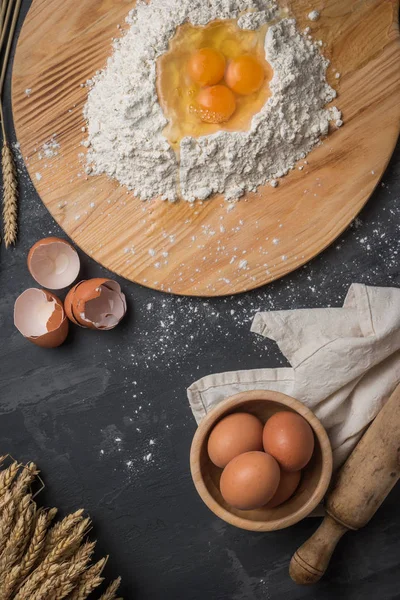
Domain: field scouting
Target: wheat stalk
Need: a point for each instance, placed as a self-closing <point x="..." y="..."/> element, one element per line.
<point x="10" y="194"/>
<point x="110" y="593"/>
<point x="10" y="190"/>
<point x="38" y="563"/>
<point x="89" y="581"/>
<point x="8" y="38"/>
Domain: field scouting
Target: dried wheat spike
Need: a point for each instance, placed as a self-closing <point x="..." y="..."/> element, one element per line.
<point x="51" y="513"/>
<point x="66" y="581"/>
<point x="35" y="580"/>
<point x="7" y="477"/>
<point x="10" y="196"/>
<point x="61" y="529"/>
<point x="6" y="523"/>
<point x="23" y="504"/>
<point x="35" y="547"/>
<point x="89" y="581"/>
<point x="79" y="532"/>
<point x="44" y="591"/>
<point x="25" y="479"/>
<point x="61" y="550"/>
<point x="110" y="593"/>
<point x="16" y="542"/>
<point x="9" y="584"/>
<point x="5" y="500"/>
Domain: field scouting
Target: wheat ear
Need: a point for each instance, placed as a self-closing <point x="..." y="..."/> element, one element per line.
<point x="25" y="479"/>
<point x="110" y="593"/>
<point x="79" y="532"/>
<point x="64" y="548"/>
<point x="34" y="580"/>
<point x="36" y="545"/>
<point x="10" y="195"/>
<point x="6" y="523"/>
<point x="61" y="529"/>
<point x="66" y="582"/>
<point x="5" y="500"/>
<point x="44" y="591"/>
<point x="89" y="581"/>
<point x="16" y="542"/>
<point x="7" y="477"/>
<point x="9" y="583"/>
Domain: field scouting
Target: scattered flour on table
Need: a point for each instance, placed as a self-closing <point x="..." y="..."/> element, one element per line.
<point x="49" y="149"/>
<point x="314" y="15"/>
<point x="125" y="120"/>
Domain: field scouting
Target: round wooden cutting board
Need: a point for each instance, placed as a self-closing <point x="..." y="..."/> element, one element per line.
<point x="212" y="248"/>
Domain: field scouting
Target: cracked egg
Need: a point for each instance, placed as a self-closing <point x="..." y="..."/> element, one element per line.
<point x="212" y="78"/>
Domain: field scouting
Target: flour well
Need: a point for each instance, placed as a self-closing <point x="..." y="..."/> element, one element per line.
<point x="126" y="122"/>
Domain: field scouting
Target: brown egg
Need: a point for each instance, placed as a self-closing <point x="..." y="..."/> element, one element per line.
<point x="289" y="438"/>
<point x="250" y="480"/>
<point x="287" y="486"/>
<point x="233" y="435"/>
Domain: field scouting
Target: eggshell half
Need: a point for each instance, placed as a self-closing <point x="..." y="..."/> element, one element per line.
<point x="53" y="263"/>
<point x="97" y="303"/>
<point x="39" y="315"/>
<point x="68" y="302"/>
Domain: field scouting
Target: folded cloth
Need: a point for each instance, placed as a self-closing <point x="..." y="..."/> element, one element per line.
<point x="345" y="363"/>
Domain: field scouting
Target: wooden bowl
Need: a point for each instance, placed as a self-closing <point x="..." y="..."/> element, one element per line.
<point x="315" y="476"/>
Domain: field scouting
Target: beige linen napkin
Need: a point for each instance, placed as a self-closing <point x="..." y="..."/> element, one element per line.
<point x="345" y="363"/>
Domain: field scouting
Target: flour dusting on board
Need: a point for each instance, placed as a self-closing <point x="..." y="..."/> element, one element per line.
<point x="126" y="122"/>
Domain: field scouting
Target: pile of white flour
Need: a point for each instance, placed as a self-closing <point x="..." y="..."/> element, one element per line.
<point x="125" y="119"/>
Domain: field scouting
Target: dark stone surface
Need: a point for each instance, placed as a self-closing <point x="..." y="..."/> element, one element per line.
<point x="66" y="409"/>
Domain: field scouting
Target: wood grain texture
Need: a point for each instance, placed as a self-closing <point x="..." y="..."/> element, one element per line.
<point x="362" y="484"/>
<point x="63" y="44"/>
<point x="315" y="476"/>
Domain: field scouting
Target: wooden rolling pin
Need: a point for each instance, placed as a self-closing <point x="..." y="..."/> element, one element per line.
<point x="364" y="481"/>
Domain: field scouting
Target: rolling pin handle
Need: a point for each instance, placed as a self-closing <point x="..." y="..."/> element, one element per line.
<point x="311" y="560"/>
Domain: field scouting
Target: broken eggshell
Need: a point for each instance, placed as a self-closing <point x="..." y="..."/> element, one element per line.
<point x="68" y="304"/>
<point x="96" y="304"/>
<point x="53" y="263"/>
<point x="39" y="315"/>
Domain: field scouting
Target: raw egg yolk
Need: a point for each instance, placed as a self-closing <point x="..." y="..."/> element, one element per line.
<point x="245" y="75"/>
<point x="217" y="104"/>
<point x="206" y="66"/>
